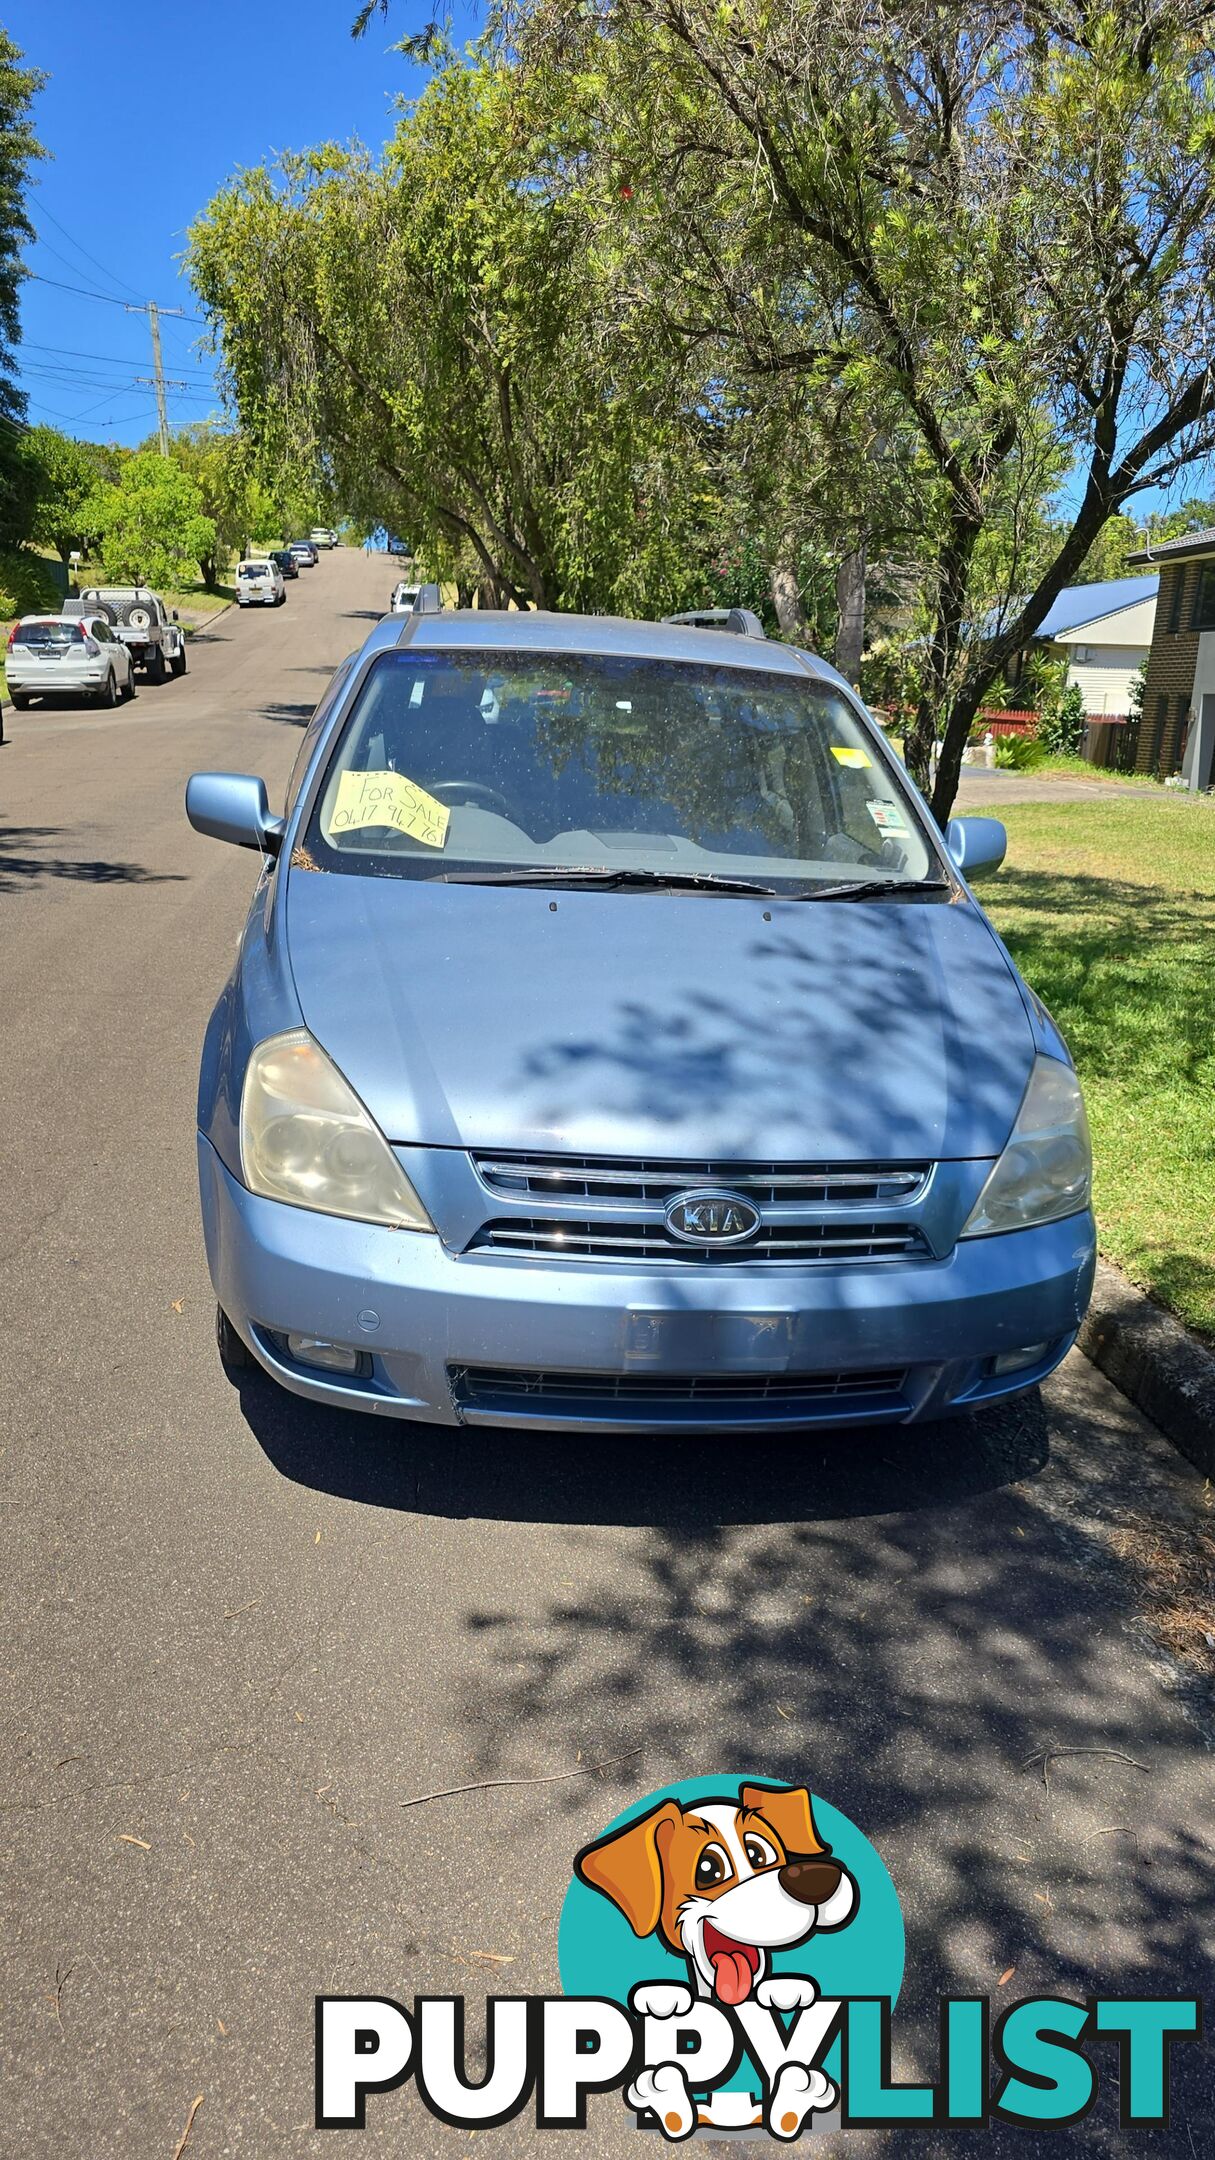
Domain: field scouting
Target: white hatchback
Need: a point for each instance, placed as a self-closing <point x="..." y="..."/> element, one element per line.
<point x="259" y="584"/>
<point x="47" y="657"/>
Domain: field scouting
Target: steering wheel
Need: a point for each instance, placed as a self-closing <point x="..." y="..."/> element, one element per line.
<point x="471" y="790"/>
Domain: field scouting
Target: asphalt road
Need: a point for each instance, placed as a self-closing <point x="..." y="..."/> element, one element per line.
<point x="238" y="1633"/>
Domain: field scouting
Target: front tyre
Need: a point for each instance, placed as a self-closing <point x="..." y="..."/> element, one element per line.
<point x="234" y="1356"/>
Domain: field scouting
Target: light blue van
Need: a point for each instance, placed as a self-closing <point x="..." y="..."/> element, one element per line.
<point x="615" y="1044"/>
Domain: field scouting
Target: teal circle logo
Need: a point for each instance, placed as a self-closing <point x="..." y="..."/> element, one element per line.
<point x="724" y="1886"/>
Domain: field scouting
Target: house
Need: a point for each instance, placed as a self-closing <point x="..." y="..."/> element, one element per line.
<point x="1178" y="728"/>
<point x="1104" y="632"/>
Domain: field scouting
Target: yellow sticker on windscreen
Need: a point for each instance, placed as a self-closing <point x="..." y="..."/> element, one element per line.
<point x="388" y="798"/>
<point x="855" y="758"/>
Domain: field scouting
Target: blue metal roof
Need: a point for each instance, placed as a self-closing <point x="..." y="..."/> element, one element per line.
<point x="1079" y="604"/>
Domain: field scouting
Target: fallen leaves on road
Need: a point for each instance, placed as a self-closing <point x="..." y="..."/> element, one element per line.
<point x="125" y="1838"/>
<point x="183" y="2139"/>
<point x="178" y="1304"/>
<point x="1174" y="1565"/>
<point x="492" y="1957"/>
<point x="1005" y="1977"/>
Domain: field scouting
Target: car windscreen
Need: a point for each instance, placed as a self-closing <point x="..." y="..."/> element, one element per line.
<point x="254" y="570"/>
<point x="48" y="633"/>
<point x="453" y="762"/>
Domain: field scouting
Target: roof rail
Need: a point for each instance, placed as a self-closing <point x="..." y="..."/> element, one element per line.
<point x="738" y="619"/>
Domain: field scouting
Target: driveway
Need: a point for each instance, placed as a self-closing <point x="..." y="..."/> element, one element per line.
<point x="240" y="1632"/>
<point x="978" y="786"/>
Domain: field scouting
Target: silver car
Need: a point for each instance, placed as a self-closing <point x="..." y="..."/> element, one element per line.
<point x="48" y="657"/>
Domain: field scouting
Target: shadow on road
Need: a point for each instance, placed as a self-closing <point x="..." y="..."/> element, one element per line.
<point x="286" y="715"/>
<point x="18" y="869"/>
<point x="691" y="1482"/>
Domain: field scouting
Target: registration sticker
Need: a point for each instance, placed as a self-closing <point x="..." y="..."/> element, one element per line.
<point x="856" y="760"/>
<point x="388" y="798"/>
<point x="887" y="816"/>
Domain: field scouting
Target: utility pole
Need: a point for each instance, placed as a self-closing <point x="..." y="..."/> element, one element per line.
<point x="157" y="378"/>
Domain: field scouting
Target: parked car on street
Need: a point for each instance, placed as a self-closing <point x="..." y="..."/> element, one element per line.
<point x="286" y="562"/>
<point x="48" y="657"/>
<point x="150" y="631"/>
<point x="404" y="598"/>
<point x="304" y="552"/>
<point x="259" y="583"/>
<point x="323" y="536"/>
<point x="616" y="1043"/>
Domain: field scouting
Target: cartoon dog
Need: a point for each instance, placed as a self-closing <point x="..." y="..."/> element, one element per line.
<point x="723" y="1883"/>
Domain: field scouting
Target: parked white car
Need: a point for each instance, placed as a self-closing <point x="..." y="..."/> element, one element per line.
<point x="404" y="598"/>
<point x="323" y="536"/>
<point x="259" y="584"/>
<point x="48" y="657"/>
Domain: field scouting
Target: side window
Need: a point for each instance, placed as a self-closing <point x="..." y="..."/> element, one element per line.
<point x="313" y="729"/>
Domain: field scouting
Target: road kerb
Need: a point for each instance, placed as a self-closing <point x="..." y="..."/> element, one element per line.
<point x="1166" y="1371"/>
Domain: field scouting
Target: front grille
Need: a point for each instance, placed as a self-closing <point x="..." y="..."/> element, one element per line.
<point x="599" y="1238"/>
<point x="574" y="1177"/>
<point x="487" y="1388"/>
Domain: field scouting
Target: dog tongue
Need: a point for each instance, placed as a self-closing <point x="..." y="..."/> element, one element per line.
<point x="731" y="1976"/>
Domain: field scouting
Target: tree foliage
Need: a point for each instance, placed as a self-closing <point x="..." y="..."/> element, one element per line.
<point x="994" y="221"/>
<point x="19" y="149"/>
<point x="151" y="527"/>
<point x="68" y="474"/>
<point x="437" y="340"/>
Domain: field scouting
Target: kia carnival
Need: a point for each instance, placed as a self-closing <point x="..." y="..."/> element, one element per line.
<point x="615" y="1043"/>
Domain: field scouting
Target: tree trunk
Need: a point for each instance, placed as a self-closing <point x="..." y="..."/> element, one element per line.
<point x="786" y="598"/>
<point x="850" y="625"/>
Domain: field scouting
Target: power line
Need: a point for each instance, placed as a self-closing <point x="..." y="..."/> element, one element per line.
<point x="74" y="352"/>
<point x="109" y="299"/>
<point x="80" y="250"/>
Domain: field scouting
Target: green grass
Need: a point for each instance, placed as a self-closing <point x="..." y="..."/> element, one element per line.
<point x="1109" y="910"/>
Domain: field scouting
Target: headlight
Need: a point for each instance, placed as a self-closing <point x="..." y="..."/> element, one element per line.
<point x="1045" y="1171"/>
<point x="305" y="1138"/>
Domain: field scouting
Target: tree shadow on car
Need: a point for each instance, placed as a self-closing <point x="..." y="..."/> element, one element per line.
<point x="692" y="1480"/>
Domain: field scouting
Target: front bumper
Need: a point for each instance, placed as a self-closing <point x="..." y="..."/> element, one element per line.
<point x="495" y="1339"/>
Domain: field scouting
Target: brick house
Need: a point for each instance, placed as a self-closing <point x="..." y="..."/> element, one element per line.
<point x="1178" y="730"/>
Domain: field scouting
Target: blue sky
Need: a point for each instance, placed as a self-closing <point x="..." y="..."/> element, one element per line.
<point x="128" y="170"/>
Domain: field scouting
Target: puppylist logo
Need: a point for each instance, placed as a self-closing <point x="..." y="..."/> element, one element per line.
<point x="731" y="1952"/>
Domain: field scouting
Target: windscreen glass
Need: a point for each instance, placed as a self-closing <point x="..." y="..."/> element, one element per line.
<point x="455" y="761"/>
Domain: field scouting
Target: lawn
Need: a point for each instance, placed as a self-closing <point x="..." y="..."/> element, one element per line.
<point x="1109" y="910"/>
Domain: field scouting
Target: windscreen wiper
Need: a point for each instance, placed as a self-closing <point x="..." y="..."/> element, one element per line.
<point x="874" y="889"/>
<point x="608" y="880"/>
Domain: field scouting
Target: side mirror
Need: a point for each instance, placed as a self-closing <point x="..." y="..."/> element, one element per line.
<point x="977" y="845"/>
<point x="233" y="807"/>
<point x="176" y="616"/>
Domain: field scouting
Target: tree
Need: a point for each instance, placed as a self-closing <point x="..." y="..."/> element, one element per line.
<point x="438" y="340"/>
<point x="998" y="219"/>
<point x="151" y="527"/>
<point x="19" y="149"/>
<point x="68" y="476"/>
<point x="217" y="462"/>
